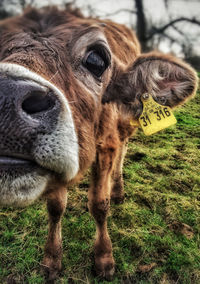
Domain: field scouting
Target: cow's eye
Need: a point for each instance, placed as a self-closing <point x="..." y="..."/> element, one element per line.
<point x="96" y="61"/>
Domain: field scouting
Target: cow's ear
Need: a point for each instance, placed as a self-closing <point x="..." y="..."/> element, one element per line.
<point x="168" y="79"/>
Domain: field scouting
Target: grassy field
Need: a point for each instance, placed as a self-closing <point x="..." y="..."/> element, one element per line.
<point x="155" y="233"/>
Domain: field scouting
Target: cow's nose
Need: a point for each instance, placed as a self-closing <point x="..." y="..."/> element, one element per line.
<point x="36" y="101"/>
<point x="27" y="111"/>
<point x="25" y="96"/>
<point x="26" y="106"/>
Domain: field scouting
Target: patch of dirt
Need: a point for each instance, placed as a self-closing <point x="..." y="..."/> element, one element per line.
<point x="158" y="169"/>
<point x="147" y="267"/>
<point x="181" y="228"/>
<point x="136" y="157"/>
<point x="181" y="186"/>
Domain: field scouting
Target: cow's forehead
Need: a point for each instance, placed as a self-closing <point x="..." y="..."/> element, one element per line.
<point x="66" y="27"/>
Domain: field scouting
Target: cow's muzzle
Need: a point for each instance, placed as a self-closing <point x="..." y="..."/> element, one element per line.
<point x="27" y="110"/>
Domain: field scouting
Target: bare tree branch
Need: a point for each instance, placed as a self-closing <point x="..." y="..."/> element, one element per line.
<point x="166" y="2"/>
<point x="161" y="30"/>
<point x="120" y="11"/>
<point x="179" y="31"/>
<point x="172" y="40"/>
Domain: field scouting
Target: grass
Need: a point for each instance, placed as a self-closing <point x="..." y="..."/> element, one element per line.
<point x="162" y="184"/>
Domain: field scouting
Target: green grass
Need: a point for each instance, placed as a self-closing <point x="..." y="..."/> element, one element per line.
<point x="162" y="181"/>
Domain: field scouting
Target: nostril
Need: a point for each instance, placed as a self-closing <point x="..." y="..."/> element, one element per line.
<point x="37" y="101"/>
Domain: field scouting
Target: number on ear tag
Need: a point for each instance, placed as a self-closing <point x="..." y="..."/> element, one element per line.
<point x="155" y="117"/>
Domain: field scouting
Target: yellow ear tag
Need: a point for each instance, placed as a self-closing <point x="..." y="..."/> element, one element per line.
<point x="155" y="117"/>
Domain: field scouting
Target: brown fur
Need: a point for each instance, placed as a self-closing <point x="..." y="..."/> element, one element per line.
<point x="44" y="41"/>
<point x="56" y="203"/>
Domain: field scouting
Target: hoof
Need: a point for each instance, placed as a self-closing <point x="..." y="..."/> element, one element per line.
<point x="117" y="199"/>
<point x="51" y="268"/>
<point x="105" y="267"/>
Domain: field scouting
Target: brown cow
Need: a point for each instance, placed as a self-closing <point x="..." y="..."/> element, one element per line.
<point x="69" y="87"/>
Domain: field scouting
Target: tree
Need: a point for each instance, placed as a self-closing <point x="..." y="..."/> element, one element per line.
<point x="147" y="32"/>
<point x="151" y="34"/>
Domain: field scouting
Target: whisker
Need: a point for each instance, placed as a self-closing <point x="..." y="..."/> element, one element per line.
<point x="53" y="76"/>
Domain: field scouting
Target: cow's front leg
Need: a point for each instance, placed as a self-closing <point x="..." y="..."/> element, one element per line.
<point x="56" y="204"/>
<point x="99" y="203"/>
<point x="117" y="192"/>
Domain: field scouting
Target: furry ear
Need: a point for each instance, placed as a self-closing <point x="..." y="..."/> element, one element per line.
<point x="168" y="79"/>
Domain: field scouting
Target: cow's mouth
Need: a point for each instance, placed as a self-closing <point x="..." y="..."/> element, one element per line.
<point x="12" y="162"/>
<point x="22" y="180"/>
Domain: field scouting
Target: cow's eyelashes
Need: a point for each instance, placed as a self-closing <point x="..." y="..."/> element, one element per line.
<point x="96" y="61"/>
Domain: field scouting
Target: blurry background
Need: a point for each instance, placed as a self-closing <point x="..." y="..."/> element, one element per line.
<point x="166" y="25"/>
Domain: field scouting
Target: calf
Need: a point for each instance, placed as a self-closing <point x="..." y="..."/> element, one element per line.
<point x="70" y="97"/>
